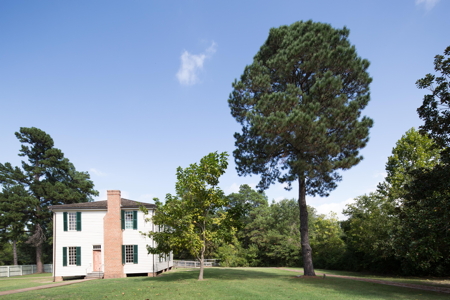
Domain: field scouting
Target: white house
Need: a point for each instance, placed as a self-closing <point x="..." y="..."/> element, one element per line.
<point x="103" y="239"/>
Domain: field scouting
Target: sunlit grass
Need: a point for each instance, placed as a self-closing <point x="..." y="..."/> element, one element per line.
<point x="228" y="283"/>
<point x="434" y="281"/>
<point x="25" y="281"/>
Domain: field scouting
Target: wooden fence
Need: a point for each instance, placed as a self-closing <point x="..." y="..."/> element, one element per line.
<point x="195" y="263"/>
<point x="8" y="271"/>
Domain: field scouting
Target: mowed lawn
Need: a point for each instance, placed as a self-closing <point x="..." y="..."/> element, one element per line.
<point x="228" y="283"/>
<point x="25" y="281"/>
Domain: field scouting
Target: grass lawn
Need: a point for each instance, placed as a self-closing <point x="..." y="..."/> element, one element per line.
<point x="222" y="283"/>
<point x="25" y="281"/>
<point x="433" y="281"/>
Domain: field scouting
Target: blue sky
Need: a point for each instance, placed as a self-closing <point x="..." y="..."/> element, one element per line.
<point x="130" y="90"/>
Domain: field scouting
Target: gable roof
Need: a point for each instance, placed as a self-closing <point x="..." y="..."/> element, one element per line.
<point x="102" y="205"/>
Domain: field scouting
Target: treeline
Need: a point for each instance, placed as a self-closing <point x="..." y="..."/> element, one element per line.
<point x="402" y="228"/>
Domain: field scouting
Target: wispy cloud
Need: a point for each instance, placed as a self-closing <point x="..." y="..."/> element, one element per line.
<point x="97" y="172"/>
<point x="192" y="64"/>
<point x="429" y="4"/>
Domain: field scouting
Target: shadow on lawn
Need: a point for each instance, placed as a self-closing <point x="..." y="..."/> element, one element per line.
<point x="217" y="274"/>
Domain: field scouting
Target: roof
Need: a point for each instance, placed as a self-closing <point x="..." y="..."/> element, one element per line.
<point x="125" y="203"/>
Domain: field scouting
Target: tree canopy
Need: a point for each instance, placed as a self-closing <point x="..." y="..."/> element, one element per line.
<point x="299" y="104"/>
<point x="194" y="217"/>
<point x="47" y="178"/>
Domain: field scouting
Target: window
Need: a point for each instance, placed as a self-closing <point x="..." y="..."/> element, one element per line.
<point x="71" y="256"/>
<point x="129" y="254"/>
<point x="72" y="221"/>
<point x="97" y="247"/>
<point x="129" y="219"/>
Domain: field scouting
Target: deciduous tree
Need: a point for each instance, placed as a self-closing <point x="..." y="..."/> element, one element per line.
<point x="195" y="215"/>
<point x="299" y="104"/>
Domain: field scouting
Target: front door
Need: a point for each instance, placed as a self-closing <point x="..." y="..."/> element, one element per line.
<point x="97" y="261"/>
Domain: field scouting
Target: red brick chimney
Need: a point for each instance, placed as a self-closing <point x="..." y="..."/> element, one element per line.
<point x="112" y="231"/>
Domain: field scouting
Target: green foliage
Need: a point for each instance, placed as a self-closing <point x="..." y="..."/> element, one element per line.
<point x="327" y="244"/>
<point x="423" y="240"/>
<point x="413" y="151"/>
<point x="369" y="234"/>
<point x="6" y="253"/>
<point x="299" y="104"/>
<point x="194" y="217"/>
<point x="435" y="108"/>
<point x="48" y="178"/>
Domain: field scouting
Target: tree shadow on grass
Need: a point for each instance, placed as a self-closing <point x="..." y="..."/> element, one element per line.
<point x="365" y="290"/>
<point x="218" y="274"/>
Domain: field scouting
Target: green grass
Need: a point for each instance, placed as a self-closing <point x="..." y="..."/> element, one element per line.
<point x="433" y="281"/>
<point x="25" y="281"/>
<point x="239" y="283"/>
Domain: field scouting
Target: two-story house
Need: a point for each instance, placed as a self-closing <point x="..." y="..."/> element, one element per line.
<point x="103" y="239"/>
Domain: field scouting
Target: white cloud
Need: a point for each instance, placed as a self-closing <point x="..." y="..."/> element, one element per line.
<point x="429" y="4"/>
<point x="192" y="64"/>
<point x="97" y="172"/>
<point x="334" y="207"/>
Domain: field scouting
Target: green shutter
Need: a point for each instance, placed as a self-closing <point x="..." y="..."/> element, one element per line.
<point x="64" y="256"/>
<point x="135" y="254"/>
<point x="78" y="221"/>
<point x="134" y="219"/>
<point x="122" y="218"/>
<point x="78" y="256"/>
<point x="65" y="221"/>
<point x="123" y="254"/>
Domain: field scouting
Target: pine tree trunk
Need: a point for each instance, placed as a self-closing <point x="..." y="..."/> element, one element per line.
<point x="39" y="265"/>
<point x="308" y="267"/>
<point x="16" y="263"/>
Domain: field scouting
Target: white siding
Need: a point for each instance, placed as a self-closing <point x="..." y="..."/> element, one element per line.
<point x="134" y="237"/>
<point x="91" y="234"/>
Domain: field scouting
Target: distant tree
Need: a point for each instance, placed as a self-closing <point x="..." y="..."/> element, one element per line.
<point x="424" y="239"/>
<point x="435" y="108"/>
<point x="48" y="179"/>
<point x="300" y="105"/>
<point x="240" y="205"/>
<point x="14" y="213"/>
<point x="194" y="217"/>
<point x="328" y="246"/>
<point x="369" y="233"/>
<point x="411" y="152"/>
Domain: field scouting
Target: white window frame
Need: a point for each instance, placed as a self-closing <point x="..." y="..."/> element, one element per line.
<point x="129" y="254"/>
<point x="71" y="256"/>
<point x="72" y="221"/>
<point x="128" y="219"/>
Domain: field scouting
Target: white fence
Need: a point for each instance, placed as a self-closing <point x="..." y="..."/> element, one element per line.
<point x="8" y="271"/>
<point x="195" y="263"/>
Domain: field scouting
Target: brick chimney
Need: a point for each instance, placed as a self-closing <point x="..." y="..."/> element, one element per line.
<point x="113" y="241"/>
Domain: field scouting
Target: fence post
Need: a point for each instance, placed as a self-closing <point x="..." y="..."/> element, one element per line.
<point x="8" y="272"/>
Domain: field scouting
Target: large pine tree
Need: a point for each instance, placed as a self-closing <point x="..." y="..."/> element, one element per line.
<point x="299" y="104"/>
<point x="48" y="178"/>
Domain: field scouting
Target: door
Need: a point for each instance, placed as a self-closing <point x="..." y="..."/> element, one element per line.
<point x="97" y="261"/>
